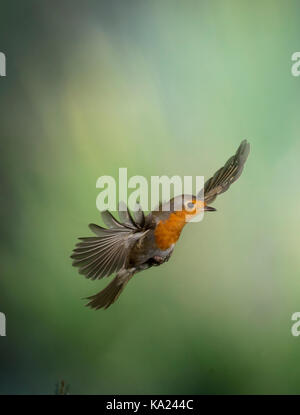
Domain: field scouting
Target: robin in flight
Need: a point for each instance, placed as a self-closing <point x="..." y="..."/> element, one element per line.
<point x="137" y="242"/>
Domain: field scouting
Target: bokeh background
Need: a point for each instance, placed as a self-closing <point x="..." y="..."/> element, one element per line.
<point x="159" y="87"/>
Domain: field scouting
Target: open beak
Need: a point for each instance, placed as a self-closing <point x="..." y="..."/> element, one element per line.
<point x="201" y="206"/>
<point x="209" y="209"/>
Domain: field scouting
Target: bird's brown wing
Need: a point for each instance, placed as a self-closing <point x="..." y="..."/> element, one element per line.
<point x="226" y="175"/>
<point x="101" y="255"/>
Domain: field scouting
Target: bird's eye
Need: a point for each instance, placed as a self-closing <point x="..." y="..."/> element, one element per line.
<point x="190" y="205"/>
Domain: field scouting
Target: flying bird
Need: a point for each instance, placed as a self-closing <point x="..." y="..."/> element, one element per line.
<point x="137" y="241"/>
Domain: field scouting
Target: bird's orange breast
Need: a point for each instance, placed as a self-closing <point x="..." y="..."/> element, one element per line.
<point x="168" y="231"/>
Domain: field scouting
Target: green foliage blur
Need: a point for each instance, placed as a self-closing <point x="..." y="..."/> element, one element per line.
<point x="159" y="87"/>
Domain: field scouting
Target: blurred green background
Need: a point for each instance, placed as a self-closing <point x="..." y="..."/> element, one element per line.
<point x="159" y="87"/>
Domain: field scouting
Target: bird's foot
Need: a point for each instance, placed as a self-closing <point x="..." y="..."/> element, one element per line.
<point x="159" y="259"/>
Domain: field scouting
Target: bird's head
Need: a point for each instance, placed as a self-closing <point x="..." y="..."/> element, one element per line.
<point x="186" y="206"/>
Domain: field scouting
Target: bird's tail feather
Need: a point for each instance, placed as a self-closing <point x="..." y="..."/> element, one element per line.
<point x="111" y="293"/>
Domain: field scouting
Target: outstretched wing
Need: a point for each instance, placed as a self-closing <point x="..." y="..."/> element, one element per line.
<point x="226" y="175"/>
<point x="101" y="255"/>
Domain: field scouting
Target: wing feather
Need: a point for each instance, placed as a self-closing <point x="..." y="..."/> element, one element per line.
<point x="102" y="255"/>
<point x="139" y="216"/>
<point x="125" y="216"/>
<point x="226" y="175"/>
<point x="110" y="221"/>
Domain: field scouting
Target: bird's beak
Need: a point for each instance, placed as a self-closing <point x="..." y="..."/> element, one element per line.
<point x="201" y="206"/>
<point x="209" y="209"/>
